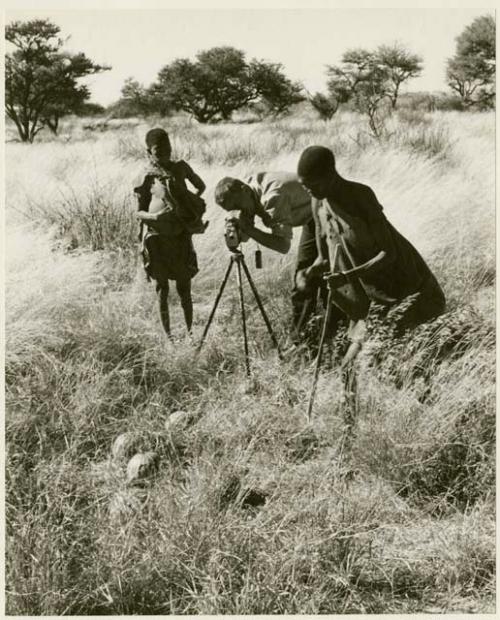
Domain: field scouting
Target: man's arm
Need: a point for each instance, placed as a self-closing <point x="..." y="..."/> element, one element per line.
<point x="274" y="211"/>
<point x="272" y="241"/>
<point x="379" y="228"/>
<point x="320" y="264"/>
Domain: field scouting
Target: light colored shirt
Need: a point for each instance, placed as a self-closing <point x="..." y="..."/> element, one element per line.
<point x="283" y="198"/>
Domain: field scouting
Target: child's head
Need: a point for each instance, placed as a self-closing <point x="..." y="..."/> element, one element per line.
<point x="158" y="144"/>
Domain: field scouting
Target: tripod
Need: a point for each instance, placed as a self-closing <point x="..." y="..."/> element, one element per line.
<point x="237" y="257"/>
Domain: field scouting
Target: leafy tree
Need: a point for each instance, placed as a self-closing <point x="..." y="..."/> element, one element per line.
<point x="157" y="102"/>
<point x="211" y="87"/>
<point x="363" y="80"/>
<point x="41" y="80"/>
<point x="270" y="84"/>
<point x="137" y="100"/>
<point x="220" y="81"/>
<point x="135" y="97"/>
<point x="370" y="96"/>
<point x="357" y="66"/>
<point x="371" y="79"/>
<point x="471" y="72"/>
<point x="401" y="65"/>
<point x="324" y="105"/>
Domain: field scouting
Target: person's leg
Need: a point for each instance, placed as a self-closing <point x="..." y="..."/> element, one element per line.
<point x="162" y="292"/>
<point x="304" y="302"/>
<point x="424" y="306"/>
<point x="184" y="291"/>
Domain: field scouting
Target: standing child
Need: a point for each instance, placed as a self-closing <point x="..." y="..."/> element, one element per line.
<point x="169" y="214"/>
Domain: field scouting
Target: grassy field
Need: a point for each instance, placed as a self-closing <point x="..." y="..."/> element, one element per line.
<point x="250" y="510"/>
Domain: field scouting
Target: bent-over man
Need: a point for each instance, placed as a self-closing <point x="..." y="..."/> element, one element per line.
<point x="280" y="202"/>
<point x="356" y="221"/>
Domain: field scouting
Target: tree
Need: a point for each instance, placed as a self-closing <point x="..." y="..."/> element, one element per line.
<point x="401" y="65"/>
<point x="371" y="79"/>
<point x="357" y="66"/>
<point x="270" y="84"/>
<point x="220" y="81"/>
<point x="138" y="100"/>
<point x="41" y="80"/>
<point x="471" y="72"/>
<point x="370" y="95"/>
<point x="209" y="88"/>
<point x="135" y="97"/>
<point x="365" y="81"/>
<point x="325" y="106"/>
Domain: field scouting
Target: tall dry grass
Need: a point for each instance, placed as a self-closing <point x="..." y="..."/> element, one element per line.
<point x="251" y="510"/>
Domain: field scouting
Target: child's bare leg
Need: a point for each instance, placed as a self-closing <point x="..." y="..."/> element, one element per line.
<point x="184" y="290"/>
<point x="162" y="292"/>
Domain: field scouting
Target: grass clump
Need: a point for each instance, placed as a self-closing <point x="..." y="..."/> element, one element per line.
<point x="100" y="218"/>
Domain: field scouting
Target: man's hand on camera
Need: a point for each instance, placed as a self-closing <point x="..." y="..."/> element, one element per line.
<point x="245" y="226"/>
<point x="245" y="223"/>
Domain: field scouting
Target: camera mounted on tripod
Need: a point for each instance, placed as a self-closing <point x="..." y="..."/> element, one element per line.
<point x="233" y="237"/>
<point x="232" y="233"/>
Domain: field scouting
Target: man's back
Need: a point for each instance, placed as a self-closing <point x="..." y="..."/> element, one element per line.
<point x="363" y="231"/>
<point x="282" y="196"/>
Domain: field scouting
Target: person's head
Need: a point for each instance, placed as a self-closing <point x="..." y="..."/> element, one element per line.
<point x="316" y="170"/>
<point x="158" y="144"/>
<point x="233" y="195"/>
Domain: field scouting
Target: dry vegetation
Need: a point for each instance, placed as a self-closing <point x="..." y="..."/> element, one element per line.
<point x="404" y="523"/>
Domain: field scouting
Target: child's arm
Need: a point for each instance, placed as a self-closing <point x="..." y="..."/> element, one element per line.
<point x="143" y="196"/>
<point x="159" y="221"/>
<point x="194" y="179"/>
<point x="145" y="216"/>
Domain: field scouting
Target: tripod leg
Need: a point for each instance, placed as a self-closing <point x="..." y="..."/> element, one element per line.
<point x="261" y="308"/>
<point x="219" y="295"/>
<point x="326" y="320"/>
<point x="243" y="318"/>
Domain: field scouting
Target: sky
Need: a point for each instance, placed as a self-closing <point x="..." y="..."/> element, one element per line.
<point x="137" y="43"/>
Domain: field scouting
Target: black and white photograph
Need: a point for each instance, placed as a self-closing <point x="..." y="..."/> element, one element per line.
<point x="249" y="310"/>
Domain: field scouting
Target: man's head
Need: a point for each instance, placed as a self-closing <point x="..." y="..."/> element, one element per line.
<point x="233" y="195"/>
<point x="316" y="170"/>
<point x="158" y="144"/>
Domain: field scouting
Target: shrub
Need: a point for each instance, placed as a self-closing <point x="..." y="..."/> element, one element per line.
<point x="98" y="218"/>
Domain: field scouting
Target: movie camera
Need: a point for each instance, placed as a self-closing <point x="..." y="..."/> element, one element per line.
<point x="232" y="234"/>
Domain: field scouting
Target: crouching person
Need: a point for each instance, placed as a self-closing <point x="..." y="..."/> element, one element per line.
<point x="350" y="219"/>
<point x="169" y="213"/>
